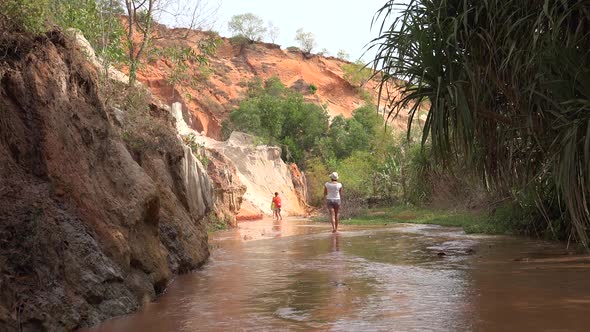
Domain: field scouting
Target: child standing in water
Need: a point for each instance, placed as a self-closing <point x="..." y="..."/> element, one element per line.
<point x="276" y="203"/>
<point x="333" y="194"/>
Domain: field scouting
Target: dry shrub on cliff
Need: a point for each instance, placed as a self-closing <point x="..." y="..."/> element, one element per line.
<point x="144" y="127"/>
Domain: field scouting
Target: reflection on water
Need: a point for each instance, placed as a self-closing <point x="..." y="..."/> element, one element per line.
<point x="300" y="276"/>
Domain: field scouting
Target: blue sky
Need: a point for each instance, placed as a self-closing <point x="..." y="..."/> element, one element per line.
<point x="336" y="24"/>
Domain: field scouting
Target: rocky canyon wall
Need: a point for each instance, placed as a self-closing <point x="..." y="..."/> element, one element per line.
<point x="91" y="225"/>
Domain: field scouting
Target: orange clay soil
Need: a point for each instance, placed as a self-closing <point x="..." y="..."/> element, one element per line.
<point x="211" y="100"/>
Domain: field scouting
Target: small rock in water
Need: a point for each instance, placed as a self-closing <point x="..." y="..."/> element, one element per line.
<point x="470" y="251"/>
<point x="440" y="254"/>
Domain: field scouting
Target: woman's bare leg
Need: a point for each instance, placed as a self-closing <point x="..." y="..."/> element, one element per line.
<point x="336" y="218"/>
<point x="332" y="219"/>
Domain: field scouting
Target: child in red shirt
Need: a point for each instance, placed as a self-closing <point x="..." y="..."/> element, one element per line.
<point x="277" y="207"/>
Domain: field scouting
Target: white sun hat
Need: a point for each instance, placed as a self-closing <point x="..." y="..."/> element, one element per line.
<point x="334" y="176"/>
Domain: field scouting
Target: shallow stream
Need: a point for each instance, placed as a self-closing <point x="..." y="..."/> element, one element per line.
<point x="296" y="275"/>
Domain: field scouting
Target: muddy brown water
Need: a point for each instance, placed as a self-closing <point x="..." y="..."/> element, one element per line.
<point x="297" y="276"/>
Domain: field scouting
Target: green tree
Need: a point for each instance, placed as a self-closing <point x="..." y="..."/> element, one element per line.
<point x="306" y="40"/>
<point x="273" y="32"/>
<point x="140" y="17"/>
<point x="280" y="117"/>
<point x="338" y="135"/>
<point x="247" y="25"/>
<point x="358" y="139"/>
<point x="369" y="119"/>
<point x="342" y="55"/>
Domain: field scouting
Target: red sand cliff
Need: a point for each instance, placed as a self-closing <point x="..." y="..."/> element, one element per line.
<point x="232" y="66"/>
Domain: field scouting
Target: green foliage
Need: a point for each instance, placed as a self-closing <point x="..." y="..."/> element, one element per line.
<point x="306" y="40"/>
<point x="215" y="223"/>
<point x="198" y="149"/>
<point x="361" y="149"/>
<point x="357" y="172"/>
<point x="342" y="55"/>
<point x="24" y="15"/>
<point x="369" y="119"/>
<point x="280" y="117"/>
<point x="348" y="135"/>
<point x="181" y="58"/>
<point x="366" y="96"/>
<point x="470" y="222"/>
<point x="312" y="88"/>
<point x="357" y="74"/>
<point x="184" y="58"/>
<point x="371" y="162"/>
<point x="272" y="86"/>
<point x="418" y="172"/>
<point x="247" y="25"/>
<point x="97" y="20"/>
<point x="293" y="49"/>
<point x="509" y="93"/>
<point x="239" y="40"/>
<point x="315" y="173"/>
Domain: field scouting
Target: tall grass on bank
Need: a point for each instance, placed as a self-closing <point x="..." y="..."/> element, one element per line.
<point x="508" y="83"/>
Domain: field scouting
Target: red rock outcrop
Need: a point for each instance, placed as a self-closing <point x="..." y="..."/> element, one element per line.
<point x="212" y="99"/>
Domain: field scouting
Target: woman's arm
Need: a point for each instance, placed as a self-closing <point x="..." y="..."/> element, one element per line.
<point x="325" y="191"/>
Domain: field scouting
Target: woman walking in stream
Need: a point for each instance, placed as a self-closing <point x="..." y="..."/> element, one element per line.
<point x="333" y="194"/>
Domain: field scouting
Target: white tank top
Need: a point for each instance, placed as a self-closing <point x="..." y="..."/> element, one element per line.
<point x="333" y="189"/>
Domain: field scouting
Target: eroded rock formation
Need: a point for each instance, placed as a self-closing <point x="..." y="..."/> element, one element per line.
<point x="87" y="229"/>
<point x="247" y="175"/>
<point x="263" y="172"/>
